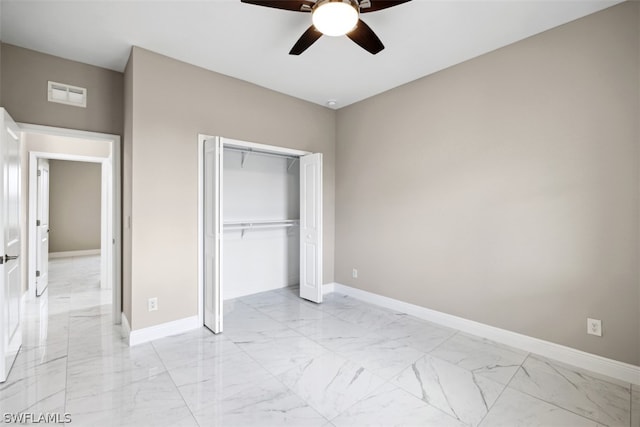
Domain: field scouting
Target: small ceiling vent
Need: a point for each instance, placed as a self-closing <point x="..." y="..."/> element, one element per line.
<point x="67" y="94"/>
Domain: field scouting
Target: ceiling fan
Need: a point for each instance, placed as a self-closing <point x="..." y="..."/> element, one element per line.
<point x="334" y="18"/>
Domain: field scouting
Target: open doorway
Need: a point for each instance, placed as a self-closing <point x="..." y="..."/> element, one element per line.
<point x="44" y="146"/>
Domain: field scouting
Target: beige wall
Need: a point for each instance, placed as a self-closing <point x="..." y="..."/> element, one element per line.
<point x="74" y="205"/>
<point x="505" y="189"/>
<point x="172" y="102"/>
<point x="24" y="78"/>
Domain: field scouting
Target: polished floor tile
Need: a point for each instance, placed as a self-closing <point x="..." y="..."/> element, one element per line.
<point x="575" y="390"/>
<point x="286" y="361"/>
<point x="152" y="401"/>
<point x="483" y="357"/>
<point x="391" y="406"/>
<point x="331" y="383"/>
<point x="456" y="391"/>
<point x="518" y="409"/>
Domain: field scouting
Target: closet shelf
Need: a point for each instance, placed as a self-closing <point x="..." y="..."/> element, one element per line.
<point x="258" y="224"/>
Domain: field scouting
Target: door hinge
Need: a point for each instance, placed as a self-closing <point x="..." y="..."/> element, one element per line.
<point x="37" y="223"/>
<point x="39" y="172"/>
<point x="37" y="273"/>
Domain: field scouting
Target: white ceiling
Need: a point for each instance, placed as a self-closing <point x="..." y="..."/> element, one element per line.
<point x="252" y="43"/>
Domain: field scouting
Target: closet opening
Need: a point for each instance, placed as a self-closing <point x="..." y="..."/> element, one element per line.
<point x="260" y="223"/>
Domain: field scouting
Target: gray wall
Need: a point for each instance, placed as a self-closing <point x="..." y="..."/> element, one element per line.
<point x="171" y="103"/>
<point x="24" y="78"/>
<point x="505" y="189"/>
<point x="74" y="205"/>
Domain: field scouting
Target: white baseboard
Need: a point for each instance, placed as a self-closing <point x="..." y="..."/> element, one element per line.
<point x="327" y="288"/>
<point x="124" y="327"/>
<point x="592" y="362"/>
<point x="70" y="254"/>
<point x="139" y="336"/>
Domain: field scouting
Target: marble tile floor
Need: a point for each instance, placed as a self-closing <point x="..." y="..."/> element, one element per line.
<point x="286" y="361"/>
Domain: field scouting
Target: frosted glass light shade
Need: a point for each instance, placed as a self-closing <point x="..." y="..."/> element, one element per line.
<point x="335" y="18"/>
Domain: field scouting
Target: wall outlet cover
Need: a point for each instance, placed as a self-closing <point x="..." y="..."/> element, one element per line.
<point x="594" y="327"/>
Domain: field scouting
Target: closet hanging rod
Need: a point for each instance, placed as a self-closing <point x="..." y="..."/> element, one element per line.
<point x="276" y="222"/>
<point x="257" y="226"/>
<point x="243" y="226"/>
<point x="262" y="153"/>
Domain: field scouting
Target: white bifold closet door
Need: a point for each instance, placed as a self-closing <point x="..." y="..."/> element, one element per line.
<point x="311" y="227"/>
<point x="213" y="234"/>
<point x="310" y="230"/>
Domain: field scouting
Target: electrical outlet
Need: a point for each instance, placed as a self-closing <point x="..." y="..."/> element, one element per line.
<point x="594" y="327"/>
<point x="153" y="304"/>
<point x="354" y="273"/>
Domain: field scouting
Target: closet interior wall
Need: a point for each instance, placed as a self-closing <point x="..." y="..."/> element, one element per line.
<point x="260" y="209"/>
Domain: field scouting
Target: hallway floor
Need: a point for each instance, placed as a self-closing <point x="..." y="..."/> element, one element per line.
<point x="285" y="361"/>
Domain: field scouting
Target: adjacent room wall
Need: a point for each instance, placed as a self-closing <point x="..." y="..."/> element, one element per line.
<point x="74" y="205"/>
<point x="24" y="78"/>
<point x="171" y="103"/>
<point x="505" y="189"/>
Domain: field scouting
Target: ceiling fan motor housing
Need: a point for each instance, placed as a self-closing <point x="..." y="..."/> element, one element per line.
<point x="351" y="26"/>
<point x="335" y="17"/>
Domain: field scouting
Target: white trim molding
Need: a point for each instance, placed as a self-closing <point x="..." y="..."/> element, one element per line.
<point x="592" y="362"/>
<point x="71" y="254"/>
<point x="140" y="336"/>
<point x="327" y="288"/>
<point x="125" y="328"/>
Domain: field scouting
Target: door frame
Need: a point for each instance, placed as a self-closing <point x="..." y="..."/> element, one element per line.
<point x="229" y="142"/>
<point x="111" y="212"/>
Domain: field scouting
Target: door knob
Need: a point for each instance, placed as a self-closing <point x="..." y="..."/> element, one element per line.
<point x="7" y="258"/>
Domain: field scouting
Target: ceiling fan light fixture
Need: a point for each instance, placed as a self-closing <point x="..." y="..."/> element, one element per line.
<point x="335" y="17"/>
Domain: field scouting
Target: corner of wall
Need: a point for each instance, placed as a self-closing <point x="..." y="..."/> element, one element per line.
<point x="127" y="185"/>
<point x="637" y="5"/>
<point x="1" y="73"/>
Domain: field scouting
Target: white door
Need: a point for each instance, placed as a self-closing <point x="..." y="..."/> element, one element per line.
<point x="311" y="227"/>
<point x="10" y="277"/>
<point x="212" y="234"/>
<point x="42" y="227"/>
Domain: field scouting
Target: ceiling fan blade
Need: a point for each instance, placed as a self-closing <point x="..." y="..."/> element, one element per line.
<point x="364" y="37"/>
<point x="307" y="39"/>
<point x="375" y="5"/>
<point x="295" y="5"/>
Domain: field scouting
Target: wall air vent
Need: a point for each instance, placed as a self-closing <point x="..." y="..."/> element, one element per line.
<point x="67" y="94"/>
